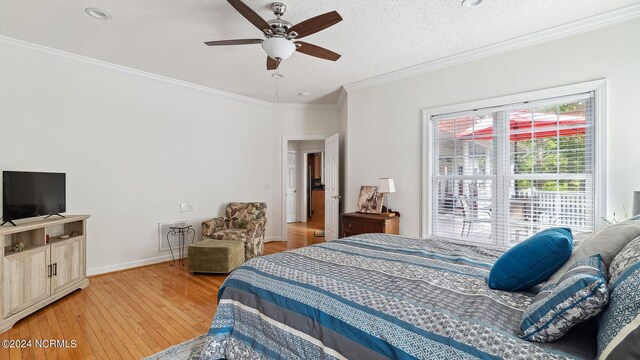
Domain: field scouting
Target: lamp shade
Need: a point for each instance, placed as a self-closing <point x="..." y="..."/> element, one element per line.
<point x="386" y="185"/>
<point x="636" y="203"/>
<point x="278" y="48"/>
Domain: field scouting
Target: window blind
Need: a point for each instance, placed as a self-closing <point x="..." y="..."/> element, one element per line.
<point x="504" y="173"/>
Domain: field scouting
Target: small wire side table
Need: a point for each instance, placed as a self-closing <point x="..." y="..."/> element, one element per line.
<point x="181" y="232"/>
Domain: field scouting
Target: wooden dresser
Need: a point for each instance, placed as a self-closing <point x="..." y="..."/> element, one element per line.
<point x="360" y="223"/>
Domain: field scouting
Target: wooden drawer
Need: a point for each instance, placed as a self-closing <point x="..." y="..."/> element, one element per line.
<point x="360" y="226"/>
<point x="357" y="223"/>
<point x="347" y="233"/>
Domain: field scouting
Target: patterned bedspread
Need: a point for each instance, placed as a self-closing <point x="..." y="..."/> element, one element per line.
<point x="372" y="297"/>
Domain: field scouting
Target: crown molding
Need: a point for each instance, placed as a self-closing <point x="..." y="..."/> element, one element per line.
<point x="303" y="106"/>
<point x="104" y="66"/>
<point x="577" y="27"/>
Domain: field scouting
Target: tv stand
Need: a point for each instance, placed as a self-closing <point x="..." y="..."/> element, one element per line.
<point x="47" y="267"/>
<point x="8" y="222"/>
<point x="50" y="215"/>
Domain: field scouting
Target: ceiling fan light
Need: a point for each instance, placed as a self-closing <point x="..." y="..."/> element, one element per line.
<point x="278" y="48"/>
<point x="98" y="13"/>
<point x="471" y="3"/>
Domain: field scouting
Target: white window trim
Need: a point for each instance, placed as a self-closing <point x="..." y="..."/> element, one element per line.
<point x="600" y="112"/>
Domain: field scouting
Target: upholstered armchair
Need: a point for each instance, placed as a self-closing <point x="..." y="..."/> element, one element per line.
<point x="244" y="222"/>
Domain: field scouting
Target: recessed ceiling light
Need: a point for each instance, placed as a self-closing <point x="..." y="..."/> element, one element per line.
<point x="277" y="75"/>
<point x="304" y="93"/>
<point x="471" y="3"/>
<point x="98" y="13"/>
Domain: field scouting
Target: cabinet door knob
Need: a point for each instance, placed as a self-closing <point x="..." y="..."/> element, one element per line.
<point x="55" y="269"/>
<point x="49" y="268"/>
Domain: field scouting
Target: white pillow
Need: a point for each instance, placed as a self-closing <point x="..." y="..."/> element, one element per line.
<point x="607" y="241"/>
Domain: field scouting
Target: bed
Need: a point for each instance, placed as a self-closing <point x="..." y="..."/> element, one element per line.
<point x="377" y="296"/>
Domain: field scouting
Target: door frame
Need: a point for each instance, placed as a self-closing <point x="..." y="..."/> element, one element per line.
<point x="296" y="153"/>
<point x="305" y="184"/>
<point x="283" y="184"/>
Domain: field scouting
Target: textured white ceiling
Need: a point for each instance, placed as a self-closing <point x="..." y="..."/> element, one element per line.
<point x="376" y="37"/>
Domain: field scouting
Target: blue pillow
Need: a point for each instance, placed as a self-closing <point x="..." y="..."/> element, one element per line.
<point x="532" y="261"/>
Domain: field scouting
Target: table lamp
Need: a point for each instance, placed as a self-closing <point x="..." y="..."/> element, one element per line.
<point x="386" y="186"/>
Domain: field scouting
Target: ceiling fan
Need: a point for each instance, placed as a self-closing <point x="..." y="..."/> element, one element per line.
<point x="280" y="34"/>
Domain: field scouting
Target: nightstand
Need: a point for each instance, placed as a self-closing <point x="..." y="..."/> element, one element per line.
<point x="361" y="223"/>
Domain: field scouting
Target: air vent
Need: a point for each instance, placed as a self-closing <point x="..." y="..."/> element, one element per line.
<point x="163" y="230"/>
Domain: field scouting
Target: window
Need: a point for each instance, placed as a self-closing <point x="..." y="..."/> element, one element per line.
<point x="499" y="174"/>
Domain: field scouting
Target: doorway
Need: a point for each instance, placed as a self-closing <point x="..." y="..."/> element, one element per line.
<point x="305" y="197"/>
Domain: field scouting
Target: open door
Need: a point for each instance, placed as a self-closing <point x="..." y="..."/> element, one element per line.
<point x="331" y="188"/>
<point x="292" y="199"/>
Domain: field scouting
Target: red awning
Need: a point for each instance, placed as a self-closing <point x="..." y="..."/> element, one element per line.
<point x="525" y="125"/>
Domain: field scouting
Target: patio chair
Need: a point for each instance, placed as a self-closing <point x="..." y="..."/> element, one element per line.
<point x="469" y="207"/>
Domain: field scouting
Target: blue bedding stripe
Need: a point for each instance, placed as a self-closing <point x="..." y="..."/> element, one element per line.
<point x="551" y="321"/>
<point x="255" y="344"/>
<point x="435" y="307"/>
<point x="409" y="262"/>
<point x="387" y="296"/>
<point x="252" y="342"/>
<point x="325" y="319"/>
<point x="219" y="330"/>
<point x="625" y="275"/>
<point x="330" y="322"/>
<point x="557" y="299"/>
<point x="420" y="252"/>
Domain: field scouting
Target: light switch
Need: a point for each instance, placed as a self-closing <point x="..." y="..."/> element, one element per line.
<point x="183" y="207"/>
<point x="192" y="207"/>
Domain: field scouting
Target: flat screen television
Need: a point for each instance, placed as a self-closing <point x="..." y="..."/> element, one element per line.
<point x="31" y="194"/>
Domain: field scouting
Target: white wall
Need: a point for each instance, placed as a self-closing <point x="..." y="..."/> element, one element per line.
<point x="384" y="122"/>
<point x="306" y="145"/>
<point x="134" y="149"/>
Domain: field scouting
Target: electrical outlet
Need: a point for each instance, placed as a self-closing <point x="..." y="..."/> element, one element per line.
<point x="183" y="207"/>
<point x="267" y="186"/>
<point x="192" y="207"/>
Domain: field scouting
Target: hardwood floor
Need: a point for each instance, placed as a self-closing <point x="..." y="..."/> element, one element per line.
<point x="133" y="313"/>
<point x="304" y="234"/>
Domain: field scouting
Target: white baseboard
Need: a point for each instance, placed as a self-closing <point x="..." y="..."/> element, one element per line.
<point x="149" y="261"/>
<point x="272" y="238"/>
<point x="127" y="265"/>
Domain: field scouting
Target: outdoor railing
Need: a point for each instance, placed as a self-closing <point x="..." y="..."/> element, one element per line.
<point x="561" y="208"/>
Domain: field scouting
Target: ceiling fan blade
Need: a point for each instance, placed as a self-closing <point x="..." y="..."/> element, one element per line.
<point x="316" y="51"/>
<point x="272" y="64"/>
<point x="315" y="24"/>
<point x="234" y="42"/>
<point x="250" y="15"/>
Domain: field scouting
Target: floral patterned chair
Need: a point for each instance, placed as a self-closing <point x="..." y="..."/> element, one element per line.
<point x="243" y="221"/>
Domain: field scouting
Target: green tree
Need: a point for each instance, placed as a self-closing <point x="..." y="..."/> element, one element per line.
<point x="562" y="154"/>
